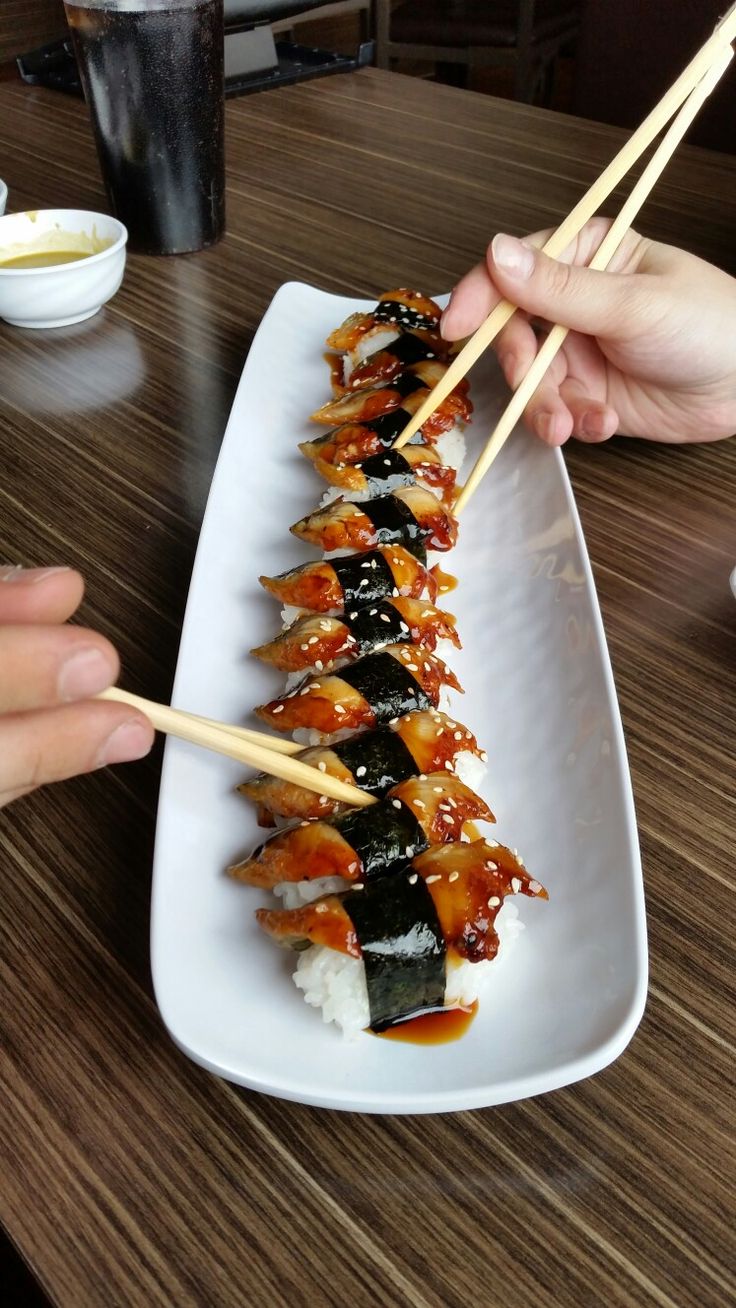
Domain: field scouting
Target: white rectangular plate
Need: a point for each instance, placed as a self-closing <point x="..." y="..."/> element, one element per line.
<point x="540" y="698"/>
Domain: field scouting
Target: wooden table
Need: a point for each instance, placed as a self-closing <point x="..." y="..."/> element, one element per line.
<point x="130" y="1176"/>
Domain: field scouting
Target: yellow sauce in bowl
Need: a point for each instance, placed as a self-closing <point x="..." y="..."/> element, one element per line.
<point x="42" y="258"/>
<point x="51" y="248"/>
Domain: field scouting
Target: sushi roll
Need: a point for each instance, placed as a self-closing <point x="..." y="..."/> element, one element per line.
<point x="318" y="642"/>
<point x="412" y="517"/>
<point x="420" y="742"/>
<point x="366" y="693"/>
<point x="384" y="473"/>
<point x="353" y="441"/>
<point x="361" y="406"/>
<point x="422" y="940"/>
<point x="365" y="843"/>
<point x="333" y="585"/>
<point x="396" y="311"/>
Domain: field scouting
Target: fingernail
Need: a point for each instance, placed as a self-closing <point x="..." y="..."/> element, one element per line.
<point x="29" y="576"/>
<point x="84" y="673"/>
<point x="512" y="256"/>
<point x="130" y="741"/>
<point x="446" y="319"/>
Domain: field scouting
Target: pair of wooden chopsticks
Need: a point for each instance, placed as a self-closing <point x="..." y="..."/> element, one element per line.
<point x="266" y="753"/>
<point x="684" y="98"/>
<point x="687" y="94"/>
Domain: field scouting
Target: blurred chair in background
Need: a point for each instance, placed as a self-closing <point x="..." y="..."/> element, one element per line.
<point x="630" y="51"/>
<point x="457" y="35"/>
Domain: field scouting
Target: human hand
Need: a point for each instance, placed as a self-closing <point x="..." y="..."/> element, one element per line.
<point x="49" y="727"/>
<point x="651" y="350"/>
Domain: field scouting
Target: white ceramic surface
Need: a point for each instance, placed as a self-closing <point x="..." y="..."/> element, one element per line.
<point x="3" y="196"/>
<point x="59" y="295"/>
<point x="540" y="697"/>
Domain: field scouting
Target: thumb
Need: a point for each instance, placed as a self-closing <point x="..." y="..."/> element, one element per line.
<point x="597" y="303"/>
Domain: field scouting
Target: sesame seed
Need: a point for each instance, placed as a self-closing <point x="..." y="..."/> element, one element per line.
<point x="494" y="901"/>
<point x="444" y="808"/>
<point x="364" y="582"/>
<point x="324" y="625"/>
<point x="409" y="851"/>
<point x="426" y="613"/>
<point x="304" y="647"/>
<point x="449" y="766"/>
<point x="305" y="690"/>
<point x="448" y="818"/>
<point x="413" y="667"/>
<point x="392" y="722"/>
<point x="452" y="803"/>
<point x="384" y="617"/>
<point x="372" y="613"/>
<point x="319" y="665"/>
<point x="396" y="803"/>
<point x="313" y="640"/>
<point x="453" y="876"/>
<point x="367" y="564"/>
<point x="322" y="801"/>
<point x="278" y="709"/>
<point x="515" y="885"/>
<point x="352" y="867"/>
<point x="413" y="879"/>
<point x="403" y="627"/>
<point x="322" y="767"/>
<point x="535" y="887"/>
<point x="339" y="709"/>
<point x="361" y="771"/>
<point x="457" y="735"/>
<point x="491" y="866"/>
<point x="422" y="776"/>
<point x="395" y="592"/>
<point x="482" y="756"/>
<point x="438" y="790"/>
<point x="357" y="885"/>
<point x="419" y="803"/>
<point x="353" y="615"/>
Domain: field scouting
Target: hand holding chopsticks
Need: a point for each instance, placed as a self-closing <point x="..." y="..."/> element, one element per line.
<point x="600" y="260"/>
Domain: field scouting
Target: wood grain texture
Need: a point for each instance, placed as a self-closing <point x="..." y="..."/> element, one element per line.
<point x="130" y="1177"/>
<point x="27" y="24"/>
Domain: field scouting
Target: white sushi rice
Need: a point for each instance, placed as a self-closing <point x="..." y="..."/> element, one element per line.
<point x="451" y="447"/>
<point x="294" y="894"/>
<point x="369" y="343"/>
<point x="470" y="770"/>
<point x="335" y="983"/>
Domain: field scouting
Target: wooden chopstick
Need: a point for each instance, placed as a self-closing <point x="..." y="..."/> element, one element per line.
<point x="724" y="33"/>
<point x="243" y="745"/>
<point x="600" y="260"/>
<point x="240" y="733"/>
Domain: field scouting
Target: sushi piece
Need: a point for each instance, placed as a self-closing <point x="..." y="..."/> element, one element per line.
<point x="374" y="689"/>
<point x="361" y="406"/>
<point x="332" y="585"/>
<point x="422" y="940"/>
<point x="396" y="311"/>
<point x="389" y="471"/>
<point x="353" y="441"/>
<point x="420" y="742"/>
<point x="371" y="842"/>
<point x="386" y="360"/>
<point x="411" y="517"/>
<point x="317" y="642"/>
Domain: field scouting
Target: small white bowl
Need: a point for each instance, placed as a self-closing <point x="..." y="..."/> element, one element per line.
<point x="64" y="293"/>
<point x="3" y="196"/>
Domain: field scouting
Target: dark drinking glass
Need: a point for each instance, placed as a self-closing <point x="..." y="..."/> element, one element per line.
<point x="153" y="78"/>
